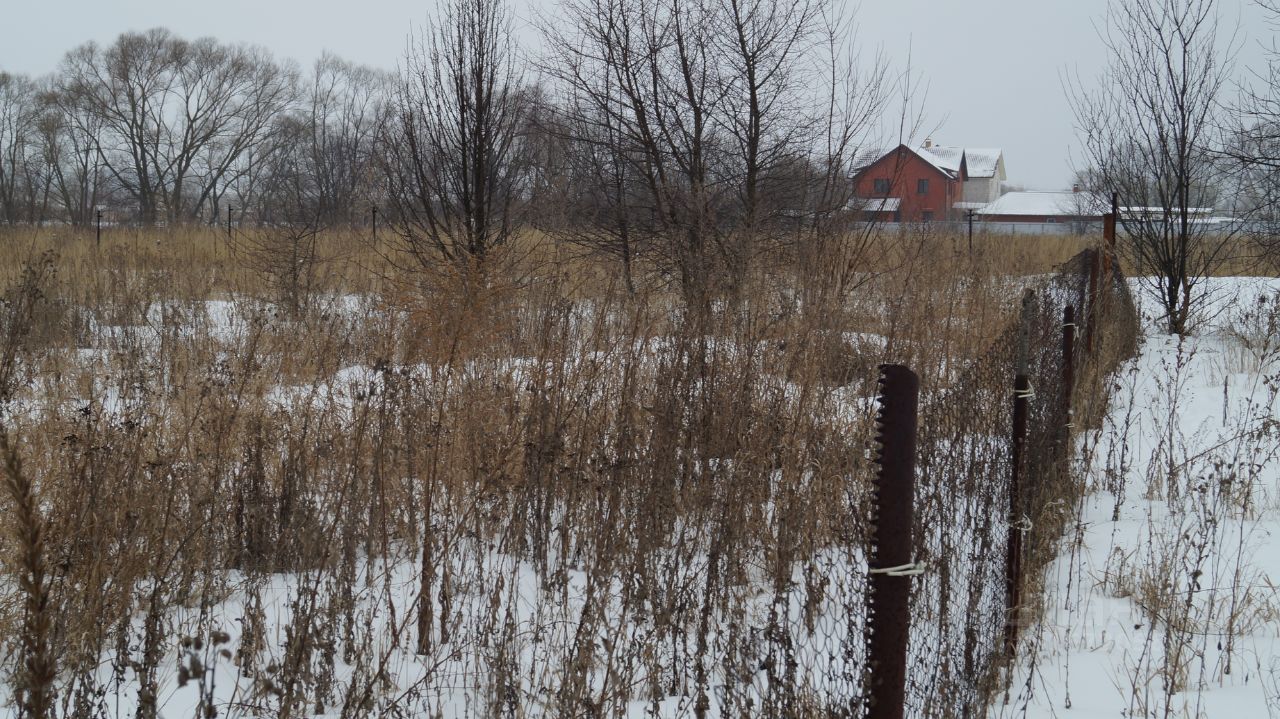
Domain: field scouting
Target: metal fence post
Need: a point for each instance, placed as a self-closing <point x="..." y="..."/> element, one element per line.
<point x="1068" y="364"/>
<point x="1013" y="548"/>
<point x="1095" y="269"/>
<point x="890" y="563"/>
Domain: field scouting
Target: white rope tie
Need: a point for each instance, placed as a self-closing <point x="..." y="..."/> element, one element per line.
<point x="902" y="570"/>
<point x="1023" y="525"/>
<point x="1027" y="393"/>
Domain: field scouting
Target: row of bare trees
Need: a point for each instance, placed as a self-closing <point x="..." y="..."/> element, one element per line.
<point x="159" y="129"/>
<point x="699" y="133"/>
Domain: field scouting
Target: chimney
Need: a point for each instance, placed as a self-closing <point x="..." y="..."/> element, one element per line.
<point x="1075" y="188"/>
<point x="928" y="142"/>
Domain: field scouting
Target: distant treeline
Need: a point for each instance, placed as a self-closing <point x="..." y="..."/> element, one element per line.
<point x="642" y="115"/>
<point x="155" y="128"/>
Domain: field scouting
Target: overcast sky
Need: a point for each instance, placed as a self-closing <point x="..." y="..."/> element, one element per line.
<point x="992" y="67"/>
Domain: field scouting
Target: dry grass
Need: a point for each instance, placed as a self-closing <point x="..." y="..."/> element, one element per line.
<point x="192" y="439"/>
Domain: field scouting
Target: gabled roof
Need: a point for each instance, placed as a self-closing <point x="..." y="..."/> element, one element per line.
<point x="869" y="157"/>
<point x="980" y="162"/>
<point x="949" y="157"/>
<point x="983" y="161"/>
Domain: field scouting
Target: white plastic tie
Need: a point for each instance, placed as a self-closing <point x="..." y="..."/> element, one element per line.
<point x="1027" y="393"/>
<point x="902" y="570"/>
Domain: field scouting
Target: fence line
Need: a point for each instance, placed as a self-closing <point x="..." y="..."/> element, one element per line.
<point x="994" y="476"/>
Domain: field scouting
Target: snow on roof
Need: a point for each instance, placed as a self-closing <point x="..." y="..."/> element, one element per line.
<point x="1147" y="212"/>
<point x="1060" y="204"/>
<point x="865" y="158"/>
<point x="946" y="157"/>
<point x="868" y="156"/>
<point x="938" y="162"/>
<point x="979" y="161"/>
<point x="876" y="204"/>
<point x="982" y="161"/>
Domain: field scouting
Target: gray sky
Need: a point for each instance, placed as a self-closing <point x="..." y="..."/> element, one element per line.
<point x="992" y="67"/>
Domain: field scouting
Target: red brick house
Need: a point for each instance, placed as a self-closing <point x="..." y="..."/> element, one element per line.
<point x="906" y="185"/>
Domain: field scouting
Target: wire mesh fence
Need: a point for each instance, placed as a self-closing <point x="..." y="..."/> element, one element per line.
<point x="967" y="608"/>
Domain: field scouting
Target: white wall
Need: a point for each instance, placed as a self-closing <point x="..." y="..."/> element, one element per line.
<point x="981" y="189"/>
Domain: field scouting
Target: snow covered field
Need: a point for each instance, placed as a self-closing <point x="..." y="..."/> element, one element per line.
<point x="293" y="584"/>
<point x="1165" y="601"/>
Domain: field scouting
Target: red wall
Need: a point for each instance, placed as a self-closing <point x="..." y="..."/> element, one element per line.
<point x="903" y="168"/>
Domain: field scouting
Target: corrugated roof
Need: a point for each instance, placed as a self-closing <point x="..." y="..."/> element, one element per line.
<point x="876" y="204"/>
<point x="948" y="157"/>
<point x="866" y="157"/>
<point x="982" y="161"/>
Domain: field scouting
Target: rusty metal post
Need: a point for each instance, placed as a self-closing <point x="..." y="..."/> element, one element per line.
<point x="890" y="563"/>
<point x="1095" y="270"/>
<point x="1068" y="363"/>
<point x="1110" y="223"/>
<point x="1013" y="547"/>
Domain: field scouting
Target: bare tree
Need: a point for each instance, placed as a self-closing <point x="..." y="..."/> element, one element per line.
<point x="766" y="46"/>
<point x="328" y="140"/>
<point x="833" y="242"/>
<point x="23" y="182"/>
<point x="702" y="131"/>
<point x="1257" y="132"/>
<point x="1252" y="146"/>
<point x="1149" y="138"/>
<point x="642" y="83"/>
<point x="176" y="116"/>
<point x="69" y="142"/>
<point x="454" y="161"/>
<point x="345" y="104"/>
<point x="285" y="251"/>
<point x="591" y="196"/>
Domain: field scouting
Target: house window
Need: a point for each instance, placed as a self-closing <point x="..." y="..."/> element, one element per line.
<point x="927" y="216"/>
<point x="922" y="187"/>
<point x="881" y="185"/>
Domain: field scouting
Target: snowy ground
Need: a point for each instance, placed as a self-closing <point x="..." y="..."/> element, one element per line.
<point x="1165" y="603"/>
